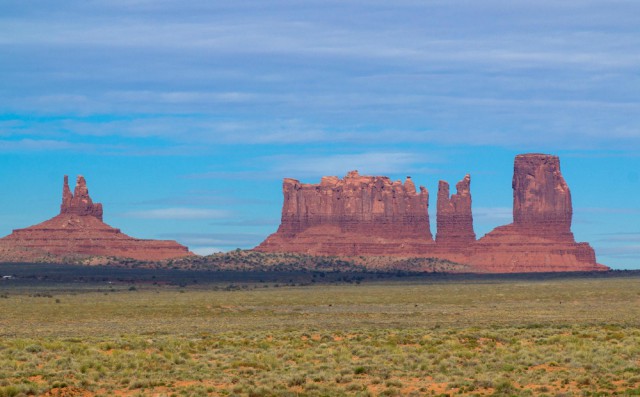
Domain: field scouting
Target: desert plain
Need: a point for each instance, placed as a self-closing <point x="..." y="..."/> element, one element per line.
<point x="99" y="331"/>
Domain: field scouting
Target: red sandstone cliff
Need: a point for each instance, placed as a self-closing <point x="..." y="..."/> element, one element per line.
<point x="541" y="197"/>
<point x="361" y="215"/>
<point x="540" y="237"/>
<point x="357" y="215"/>
<point x="79" y="230"/>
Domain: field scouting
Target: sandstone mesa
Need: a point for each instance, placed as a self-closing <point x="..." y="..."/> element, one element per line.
<point x="370" y="215"/>
<point x="79" y="231"/>
<point x="357" y="215"/>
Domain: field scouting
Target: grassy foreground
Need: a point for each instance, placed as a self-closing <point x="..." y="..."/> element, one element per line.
<point x="552" y="337"/>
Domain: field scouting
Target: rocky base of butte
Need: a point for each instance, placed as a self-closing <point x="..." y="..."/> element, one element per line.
<point x="369" y="216"/>
<point x="79" y="231"/>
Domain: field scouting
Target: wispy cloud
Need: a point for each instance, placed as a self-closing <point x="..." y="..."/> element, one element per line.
<point x="182" y="213"/>
<point x="248" y="222"/>
<point x="223" y="240"/>
<point x="622" y="252"/>
<point x="602" y="210"/>
<point x="46" y="145"/>
<point x="204" y="198"/>
<point x="624" y="237"/>
<point x="500" y="215"/>
<point x="463" y="73"/>
<point x="315" y="166"/>
<point x="372" y="163"/>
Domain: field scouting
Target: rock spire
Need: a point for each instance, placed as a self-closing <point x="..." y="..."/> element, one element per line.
<point x="79" y="202"/>
<point x="78" y="231"/>
<point x="454" y="218"/>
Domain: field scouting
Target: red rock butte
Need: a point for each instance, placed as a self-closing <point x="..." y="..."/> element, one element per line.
<point x="79" y="231"/>
<point x="352" y="216"/>
<point x="372" y="216"/>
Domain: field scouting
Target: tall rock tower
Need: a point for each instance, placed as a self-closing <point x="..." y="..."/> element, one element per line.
<point x="540" y="237"/>
<point x="454" y="218"/>
<point x="541" y="197"/>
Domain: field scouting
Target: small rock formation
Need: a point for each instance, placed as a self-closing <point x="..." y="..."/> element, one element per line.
<point x="372" y="216"/>
<point x="79" y="231"/>
<point x="454" y="218"/>
<point x="357" y="215"/>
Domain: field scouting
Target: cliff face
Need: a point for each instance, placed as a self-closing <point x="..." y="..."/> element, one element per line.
<point x="358" y="204"/>
<point x="540" y="237"/>
<point x="79" y="231"/>
<point x="454" y="218"/>
<point x="356" y="214"/>
<point x="541" y="197"/>
<point x="361" y="215"/>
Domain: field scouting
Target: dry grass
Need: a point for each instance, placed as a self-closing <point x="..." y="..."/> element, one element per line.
<point x="555" y="337"/>
<point x="243" y="260"/>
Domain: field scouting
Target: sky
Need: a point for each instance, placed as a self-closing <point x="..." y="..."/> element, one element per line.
<point x="185" y="116"/>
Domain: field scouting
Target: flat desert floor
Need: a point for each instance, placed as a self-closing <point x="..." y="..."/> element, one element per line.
<point x="442" y="336"/>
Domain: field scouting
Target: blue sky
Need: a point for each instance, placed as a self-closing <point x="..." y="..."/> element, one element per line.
<point x="185" y="116"/>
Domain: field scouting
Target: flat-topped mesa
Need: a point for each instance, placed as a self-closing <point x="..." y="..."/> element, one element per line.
<point x="454" y="217"/>
<point x="79" y="202"/>
<point x="361" y="204"/>
<point x="356" y="214"/>
<point x="541" y="197"/>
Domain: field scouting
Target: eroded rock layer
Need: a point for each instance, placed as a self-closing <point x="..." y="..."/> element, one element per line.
<point x="79" y="230"/>
<point x="361" y="215"/>
<point x="356" y="215"/>
<point x="513" y="249"/>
